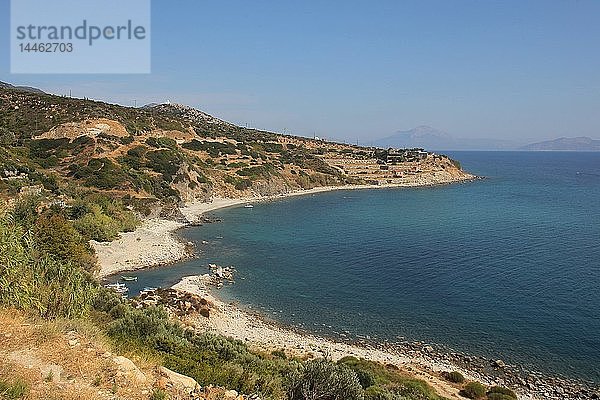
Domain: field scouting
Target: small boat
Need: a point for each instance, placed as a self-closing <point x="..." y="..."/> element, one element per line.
<point x="148" y="290"/>
<point x="129" y="278"/>
<point x="248" y="206"/>
<point x="117" y="287"/>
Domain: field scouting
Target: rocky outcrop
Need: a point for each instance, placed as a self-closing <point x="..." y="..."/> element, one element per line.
<point x="180" y="382"/>
<point x="127" y="369"/>
<point x="89" y="127"/>
<point x="178" y="302"/>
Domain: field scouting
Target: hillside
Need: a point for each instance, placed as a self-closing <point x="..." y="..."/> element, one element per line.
<point x="175" y="154"/>
<point x="581" y="143"/>
<point x="76" y="175"/>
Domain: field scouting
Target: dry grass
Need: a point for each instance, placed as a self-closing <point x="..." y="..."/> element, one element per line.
<point x="74" y="360"/>
<point x="64" y="360"/>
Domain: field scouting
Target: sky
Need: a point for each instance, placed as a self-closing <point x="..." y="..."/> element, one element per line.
<point x="358" y="70"/>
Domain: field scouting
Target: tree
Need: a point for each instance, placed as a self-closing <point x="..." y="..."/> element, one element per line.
<point x="7" y="137"/>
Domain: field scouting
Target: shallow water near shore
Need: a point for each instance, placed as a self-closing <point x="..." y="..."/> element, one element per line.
<point x="507" y="267"/>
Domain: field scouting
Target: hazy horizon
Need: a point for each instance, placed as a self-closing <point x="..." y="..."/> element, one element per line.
<point x="517" y="71"/>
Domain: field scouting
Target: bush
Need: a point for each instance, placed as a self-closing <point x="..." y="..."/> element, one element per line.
<point x="158" y="394"/>
<point x="165" y="162"/>
<point x="377" y="393"/>
<point x="25" y="210"/>
<point x="473" y="390"/>
<point x="15" y="390"/>
<point x="454" y="377"/>
<point x="57" y="236"/>
<point x="7" y="138"/>
<point x="499" y="396"/>
<point x="97" y="226"/>
<point x="161" y="142"/>
<point x="36" y="281"/>
<point x="279" y="354"/>
<point x="321" y="379"/>
<point x="264" y="170"/>
<point x="501" y="393"/>
<point x="101" y="173"/>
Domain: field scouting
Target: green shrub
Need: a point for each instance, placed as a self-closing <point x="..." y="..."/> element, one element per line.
<point x="279" y="354"/>
<point x="379" y="393"/>
<point x="25" y="210"/>
<point x="243" y="184"/>
<point x="57" y="236"/>
<point x="208" y="358"/>
<point x="365" y="378"/>
<point x="135" y="157"/>
<point x="473" y="390"/>
<point x="321" y="379"/>
<point x="97" y="226"/>
<point x="127" y="140"/>
<point x="500" y="393"/>
<point x="165" y="162"/>
<point x="101" y="173"/>
<point x="499" y="396"/>
<point x="158" y="394"/>
<point x="7" y="138"/>
<point x="454" y="377"/>
<point x="36" y="281"/>
<point x="15" y="390"/>
<point x="264" y="170"/>
<point x="214" y="149"/>
<point x="161" y="142"/>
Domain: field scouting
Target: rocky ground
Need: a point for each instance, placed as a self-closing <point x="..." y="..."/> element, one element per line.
<point x="73" y="360"/>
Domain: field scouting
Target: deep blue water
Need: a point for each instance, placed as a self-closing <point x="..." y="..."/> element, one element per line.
<point x="507" y="267"/>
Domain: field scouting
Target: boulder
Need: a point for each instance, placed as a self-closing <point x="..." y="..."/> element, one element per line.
<point x="129" y="370"/>
<point x="182" y="381"/>
<point x="230" y="395"/>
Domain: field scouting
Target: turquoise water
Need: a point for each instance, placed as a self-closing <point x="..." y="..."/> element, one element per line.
<point x="507" y="267"/>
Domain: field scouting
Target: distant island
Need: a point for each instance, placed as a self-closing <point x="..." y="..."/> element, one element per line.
<point x="581" y="143"/>
<point x="430" y="138"/>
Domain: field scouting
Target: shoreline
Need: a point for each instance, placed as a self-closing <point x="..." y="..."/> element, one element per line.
<point x="155" y="243"/>
<point x="425" y="361"/>
<point x="161" y="246"/>
<point x="267" y="335"/>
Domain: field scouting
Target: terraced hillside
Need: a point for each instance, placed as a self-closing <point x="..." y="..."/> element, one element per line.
<point x="174" y="154"/>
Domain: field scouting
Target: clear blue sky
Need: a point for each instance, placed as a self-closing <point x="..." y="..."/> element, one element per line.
<point x="365" y="69"/>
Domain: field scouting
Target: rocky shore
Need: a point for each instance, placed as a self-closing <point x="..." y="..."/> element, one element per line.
<point x="426" y="361"/>
<point x="155" y="243"/>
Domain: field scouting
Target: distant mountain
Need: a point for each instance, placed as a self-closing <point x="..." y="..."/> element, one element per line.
<point x="581" y="143"/>
<point x="432" y="139"/>
<point x="4" y="85"/>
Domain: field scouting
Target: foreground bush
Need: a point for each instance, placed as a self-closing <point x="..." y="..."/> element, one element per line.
<point x="208" y="358"/>
<point x="34" y="281"/>
<point x="473" y="390"/>
<point x="324" y="380"/>
<point x="57" y="236"/>
<point x="454" y="377"/>
<point x="501" y="393"/>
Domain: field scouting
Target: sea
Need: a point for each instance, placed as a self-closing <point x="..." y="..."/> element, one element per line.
<point x="506" y="267"/>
